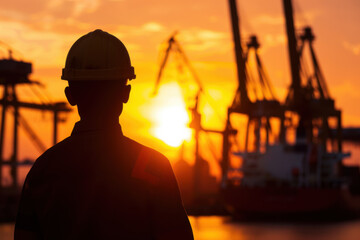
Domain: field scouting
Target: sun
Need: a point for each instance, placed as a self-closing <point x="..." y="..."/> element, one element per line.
<point x="170" y="120"/>
<point x="171" y="125"/>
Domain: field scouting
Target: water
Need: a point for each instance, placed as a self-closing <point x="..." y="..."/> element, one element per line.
<point x="211" y="228"/>
<point x="6" y="231"/>
<point x="222" y="228"/>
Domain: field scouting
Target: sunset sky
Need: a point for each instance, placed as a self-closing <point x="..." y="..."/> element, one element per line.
<point x="42" y="31"/>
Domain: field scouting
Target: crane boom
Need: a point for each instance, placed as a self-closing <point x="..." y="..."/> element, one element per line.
<point x="31" y="133"/>
<point x="163" y="64"/>
<point x="173" y="45"/>
<point x="36" y="140"/>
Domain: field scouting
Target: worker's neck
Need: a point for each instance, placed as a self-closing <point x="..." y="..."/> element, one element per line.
<point x="100" y="121"/>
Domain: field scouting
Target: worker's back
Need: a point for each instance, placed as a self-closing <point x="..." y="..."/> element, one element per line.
<point x="98" y="184"/>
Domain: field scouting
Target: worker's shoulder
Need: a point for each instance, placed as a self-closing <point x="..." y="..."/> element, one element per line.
<point x="57" y="150"/>
<point x="149" y="160"/>
<point x="146" y="152"/>
<point x="49" y="159"/>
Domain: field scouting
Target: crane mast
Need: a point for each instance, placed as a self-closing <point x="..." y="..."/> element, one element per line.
<point x="295" y="88"/>
<point x="243" y="99"/>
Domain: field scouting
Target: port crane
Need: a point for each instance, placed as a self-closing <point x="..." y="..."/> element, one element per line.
<point x="301" y="156"/>
<point x="294" y="175"/>
<point x="310" y="99"/>
<point x="14" y="73"/>
<point x="308" y="96"/>
<point x="253" y="98"/>
<point x="173" y="46"/>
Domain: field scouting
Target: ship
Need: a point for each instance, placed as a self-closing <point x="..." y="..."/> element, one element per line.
<point x="290" y="164"/>
<point x="13" y="74"/>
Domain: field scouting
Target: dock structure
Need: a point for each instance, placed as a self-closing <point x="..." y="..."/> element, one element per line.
<point x="14" y="73"/>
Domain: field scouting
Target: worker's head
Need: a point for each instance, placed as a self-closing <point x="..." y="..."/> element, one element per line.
<point x="98" y="68"/>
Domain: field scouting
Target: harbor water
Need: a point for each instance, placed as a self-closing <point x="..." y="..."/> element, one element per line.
<point x="222" y="228"/>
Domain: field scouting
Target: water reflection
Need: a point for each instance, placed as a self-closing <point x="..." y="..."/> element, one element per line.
<point x="6" y="231"/>
<point x="211" y="228"/>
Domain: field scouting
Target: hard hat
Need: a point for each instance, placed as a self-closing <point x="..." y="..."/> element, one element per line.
<point x="95" y="56"/>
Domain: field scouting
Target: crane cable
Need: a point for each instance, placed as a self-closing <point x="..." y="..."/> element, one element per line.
<point x="175" y="46"/>
<point x="31" y="133"/>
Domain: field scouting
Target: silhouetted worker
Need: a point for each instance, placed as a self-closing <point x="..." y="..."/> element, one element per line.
<point x="97" y="183"/>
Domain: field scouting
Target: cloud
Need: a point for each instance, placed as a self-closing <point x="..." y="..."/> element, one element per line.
<point x="203" y="39"/>
<point x="152" y="27"/>
<point x="305" y="18"/>
<point x="45" y="47"/>
<point x="269" y="19"/>
<point x="273" y="40"/>
<point x="211" y="35"/>
<point x="354" y="48"/>
<point x="52" y="4"/>
<point x="68" y="26"/>
<point x="300" y="19"/>
<point x="58" y="16"/>
<point x="88" y="6"/>
<point x="11" y="14"/>
<point x="78" y="6"/>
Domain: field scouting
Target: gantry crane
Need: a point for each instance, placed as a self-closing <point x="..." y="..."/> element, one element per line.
<point x="258" y="107"/>
<point x="12" y="74"/>
<point x="308" y="97"/>
<point x="173" y="46"/>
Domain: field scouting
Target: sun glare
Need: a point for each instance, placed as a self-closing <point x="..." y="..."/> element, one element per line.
<point x="171" y="125"/>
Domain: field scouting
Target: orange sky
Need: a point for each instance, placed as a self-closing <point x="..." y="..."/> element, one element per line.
<point x="42" y="31"/>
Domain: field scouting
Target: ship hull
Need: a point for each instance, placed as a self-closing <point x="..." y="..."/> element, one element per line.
<point x="291" y="203"/>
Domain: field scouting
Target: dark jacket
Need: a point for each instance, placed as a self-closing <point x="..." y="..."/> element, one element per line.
<point x="99" y="184"/>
